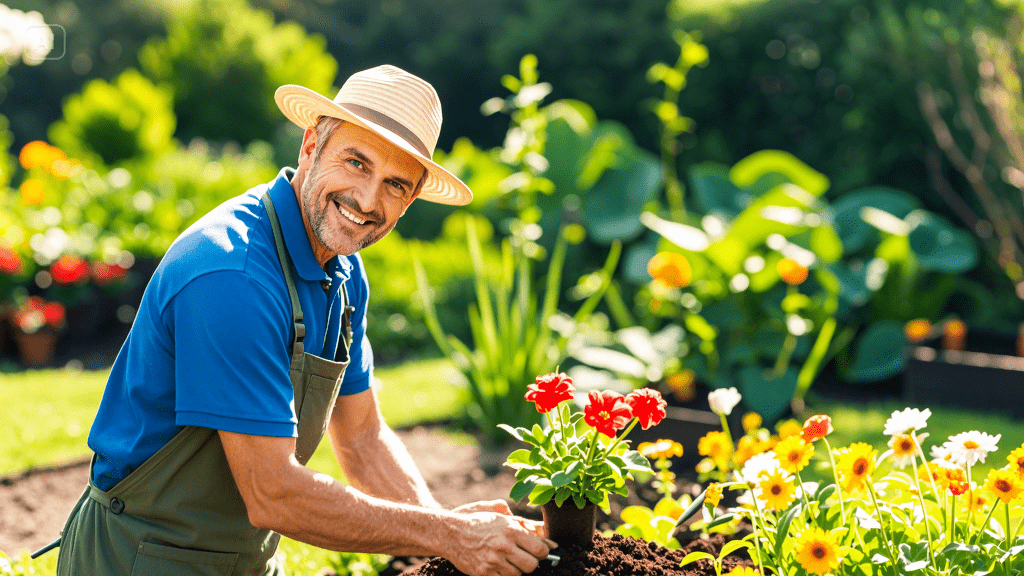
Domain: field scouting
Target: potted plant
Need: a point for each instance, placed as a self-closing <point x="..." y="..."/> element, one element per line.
<point x="36" y="325"/>
<point x="570" y="469"/>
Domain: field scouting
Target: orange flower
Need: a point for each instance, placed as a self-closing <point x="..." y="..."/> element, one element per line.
<point x="10" y="262"/>
<point x="1016" y="458"/>
<point x="683" y="385"/>
<point x="956" y="481"/>
<point x="789" y="428"/>
<point x="39" y="153"/>
<point x="791" y="272"/>
<point x="661" y="449"/>
<point x="917" y="330"/>
<point x="816" y="427"/>
<point x="1004" y="485"/>
<point x="671" y="269"/>
<point x="954" y="335"/>
<point x="32" y="192"/>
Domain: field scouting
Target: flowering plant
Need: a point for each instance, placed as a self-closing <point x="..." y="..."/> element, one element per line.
<point x="567" y="460"/>
<point x="894" y="512"/>
<point x="36" y="314"/>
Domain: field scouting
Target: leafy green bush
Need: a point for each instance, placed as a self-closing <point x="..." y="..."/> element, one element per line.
<point x="224" y="60"/>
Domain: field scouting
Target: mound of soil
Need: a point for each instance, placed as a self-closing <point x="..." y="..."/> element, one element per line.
<point x="616" y="556"/>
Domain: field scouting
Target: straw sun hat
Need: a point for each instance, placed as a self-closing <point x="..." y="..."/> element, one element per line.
<point x="400" y="107"/>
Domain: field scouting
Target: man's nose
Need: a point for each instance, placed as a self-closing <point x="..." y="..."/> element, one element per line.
<point x="365" y="195"/>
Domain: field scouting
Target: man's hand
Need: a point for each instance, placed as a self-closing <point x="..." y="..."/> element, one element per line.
<point x="501" y="507"/>
<point x="496" y="544"/>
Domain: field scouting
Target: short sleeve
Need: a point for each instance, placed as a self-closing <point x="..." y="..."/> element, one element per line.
<point x="359" y="373"/>
<point x="232" y="340"/>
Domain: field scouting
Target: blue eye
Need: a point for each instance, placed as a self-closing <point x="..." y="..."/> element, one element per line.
<point x="355" y="163"/>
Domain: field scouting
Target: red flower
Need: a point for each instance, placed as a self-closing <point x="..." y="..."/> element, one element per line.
<point x="10" y="263"/>
<point x="607" y="412"/>
<point x="648" y="406"/>
<point x="816" y="427"/>
<point x="103" y="273"/>
<point x="54" y="313"/>
<point x="69" y="269"/>
<point x="549" y="390"/>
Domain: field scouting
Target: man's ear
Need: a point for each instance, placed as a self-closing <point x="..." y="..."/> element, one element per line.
<point x="308" y="145"/>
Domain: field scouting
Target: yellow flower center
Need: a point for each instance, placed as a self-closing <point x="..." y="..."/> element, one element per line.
<point x="819" y="552"/>
<point x="1002" y="485"/>
<point x="776" y="489"/>
<point x="906" y="445"/>
<point x="970" y="444"/>
<point x="605" y="415"/>
<point x="1020" y="463"/>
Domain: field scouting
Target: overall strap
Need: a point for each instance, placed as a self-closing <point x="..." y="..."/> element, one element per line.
<point x="289" y="270"/>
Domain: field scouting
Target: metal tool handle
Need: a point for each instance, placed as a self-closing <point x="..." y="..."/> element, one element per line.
<point x="46" y="549"/>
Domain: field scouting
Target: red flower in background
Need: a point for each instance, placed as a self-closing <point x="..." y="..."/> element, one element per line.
<point x="816" y="427"/>
<point x="69" y="269"/>
<point x="54" y="313"/>
<point x="647" y="405"/>
<point x="549" y="390"/>
<point x="607" y="412"/>
<point x="103" y="273"/>
<point x="10" y="262"/>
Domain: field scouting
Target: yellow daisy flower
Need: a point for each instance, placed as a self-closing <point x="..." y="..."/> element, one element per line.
<point x="661" y="449"/>
<point x="1016" y="459"/>
<point x="855" y="464"/>
<point x="716" y="445"/>
<point x="979" y="501"/>
<point x="776" y="490"/>
<point x="817" y="551"/>
<point x="794" y="453"/>
<point x="903" y="450"/>
<point x="747" y="448"/>
<point x="1003" y="484"/>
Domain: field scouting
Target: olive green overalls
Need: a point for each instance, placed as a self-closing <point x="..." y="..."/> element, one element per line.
<point x="180" y="512"/>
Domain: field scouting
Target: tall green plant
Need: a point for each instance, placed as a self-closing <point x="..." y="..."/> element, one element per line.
<point x="513" y="330"/>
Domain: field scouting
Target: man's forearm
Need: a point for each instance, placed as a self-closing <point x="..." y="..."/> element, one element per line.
<point x="378" y="464"/>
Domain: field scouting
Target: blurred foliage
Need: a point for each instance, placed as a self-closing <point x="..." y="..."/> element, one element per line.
<point x="224" y="61"/>
<point x="876" y="259"/>
<point x="110" y="123"/>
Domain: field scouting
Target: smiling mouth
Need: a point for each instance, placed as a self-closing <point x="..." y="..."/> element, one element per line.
<point x="350" y="216"/>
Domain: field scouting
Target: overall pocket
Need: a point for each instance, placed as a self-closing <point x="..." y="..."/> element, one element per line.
<point x="161" y="560"/>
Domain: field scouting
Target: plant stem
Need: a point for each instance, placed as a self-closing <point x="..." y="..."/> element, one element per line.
<point x="757" y="507"/>
<point x="782" y="362"/>
<point x="970" y="507"/>
<point x="984" y="523"/>
<point x="725" y="428"/>
<point x="839" y="489"/>
<point x="622" y="436"/>
<point x="885" y="534"/>
<point x="807" y="503"/>
<point x="952" y="519"/>
<point x="931" y="477"/>
<point x="924" y="509"/>
<point x="1006" y="531"/>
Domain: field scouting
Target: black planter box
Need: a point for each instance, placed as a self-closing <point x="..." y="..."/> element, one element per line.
<point x="974" y="380"/>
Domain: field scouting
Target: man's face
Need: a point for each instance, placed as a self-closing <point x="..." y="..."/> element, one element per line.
<point x="356" y="188"/>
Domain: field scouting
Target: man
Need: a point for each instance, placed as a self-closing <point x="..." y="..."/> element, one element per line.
<point x="250" y="344"/>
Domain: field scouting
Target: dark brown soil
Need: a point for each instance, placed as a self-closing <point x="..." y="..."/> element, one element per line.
<point x="615" y="556"/>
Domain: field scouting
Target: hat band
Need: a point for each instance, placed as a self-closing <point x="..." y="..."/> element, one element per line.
<point x="389" y="123"/>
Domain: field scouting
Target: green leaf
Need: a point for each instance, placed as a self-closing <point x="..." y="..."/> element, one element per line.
<point x="561" y="496"/>
<point x="783" y="528"/>
<point x="721" y="520"/>
<point x="541" y="495"/>
<point x="521" y="490"/>
<point x="521" y="456"/>
<point x="941" y="247"/>
<point x="696" y="557"/>
<point x="515" y="432"/>
<point x="825" y="244"/>
<point x="612" y="208"/>
<point x="714" y="192"/>
<point x="776" y="162"/>
<point x="879" y="353"/>
<point x="732" y="546"/>
<point x="764" y="394"/>
<point x="637" y="515"/>
<point x="851" y="228"/>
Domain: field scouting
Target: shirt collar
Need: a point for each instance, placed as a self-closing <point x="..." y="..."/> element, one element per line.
<point x="294" y="232"/>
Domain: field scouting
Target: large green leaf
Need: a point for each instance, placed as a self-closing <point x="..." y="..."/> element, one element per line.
<point x="853" y="288"/>
<point x="713" y="191"/>
<point x="879" y="353"/>
<point x="775" y="164"/>
<point x="612" y="208"/>
<point x="854" y="232"/>
<point x="941" y="247"/>
<point x="765" y="395"/>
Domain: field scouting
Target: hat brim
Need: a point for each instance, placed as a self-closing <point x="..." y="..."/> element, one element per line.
<point x="303" y="107"/>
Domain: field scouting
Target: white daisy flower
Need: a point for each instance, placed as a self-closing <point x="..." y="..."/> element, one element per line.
<point x="969" y="448"/>
<point x="755" y="466"/>
<point x="939" y="452"/>
<point x="906" y="421"/>
<point x="723" y="400"/>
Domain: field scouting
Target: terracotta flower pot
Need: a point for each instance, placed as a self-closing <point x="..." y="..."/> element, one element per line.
<point x="568" y="524"/>
<point x="36" y="349"/>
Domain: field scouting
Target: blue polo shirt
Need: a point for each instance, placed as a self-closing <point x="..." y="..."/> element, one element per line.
<point x="211" y="343"/>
